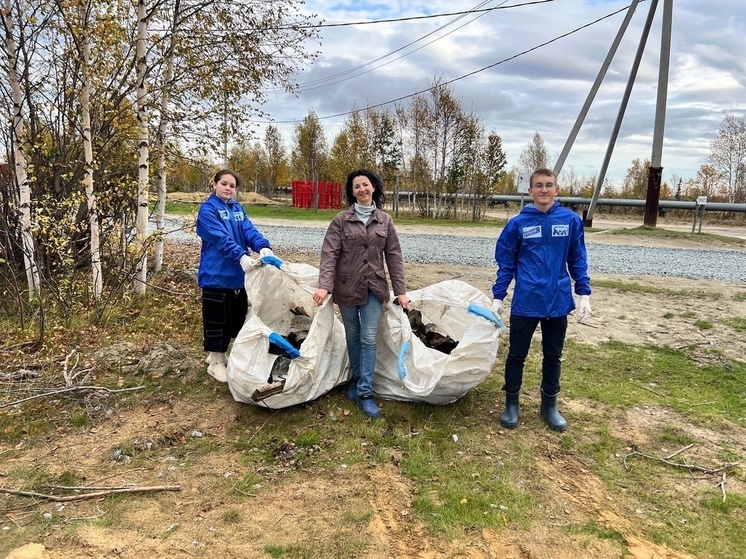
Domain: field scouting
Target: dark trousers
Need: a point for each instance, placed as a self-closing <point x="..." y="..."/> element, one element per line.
<point x="522" y="329"/>
<point x="223" y="315"/>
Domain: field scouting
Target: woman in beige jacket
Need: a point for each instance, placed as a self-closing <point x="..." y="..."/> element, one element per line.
<point x="358" y="242"/>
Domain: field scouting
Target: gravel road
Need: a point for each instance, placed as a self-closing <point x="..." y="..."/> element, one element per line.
<point x="478" y="251"/>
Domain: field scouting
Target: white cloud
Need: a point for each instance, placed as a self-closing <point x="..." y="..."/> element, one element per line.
<point x="544" y="89"/>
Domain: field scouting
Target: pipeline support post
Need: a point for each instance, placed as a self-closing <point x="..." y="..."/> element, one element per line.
<point x="655" y="175"/>
<point x="699" y="213"/>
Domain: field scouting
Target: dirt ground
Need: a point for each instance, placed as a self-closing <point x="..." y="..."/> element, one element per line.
<point x="191" y="522"/>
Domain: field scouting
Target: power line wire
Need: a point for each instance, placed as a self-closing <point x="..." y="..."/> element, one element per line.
<point x="411" y="18"/>
<point x="331" y="80"/>
<point x="448" y="82"/>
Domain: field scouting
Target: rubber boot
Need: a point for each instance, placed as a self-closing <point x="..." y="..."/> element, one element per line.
<point x="511" y="415"/>
<point x="352" y="392"/>
<point x="551" y="414"/>
<point x="216" y="368"/>
<point x="368" y="406"/>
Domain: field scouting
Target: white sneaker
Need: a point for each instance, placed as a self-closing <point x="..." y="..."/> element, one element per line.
<point x="216" y="366"/>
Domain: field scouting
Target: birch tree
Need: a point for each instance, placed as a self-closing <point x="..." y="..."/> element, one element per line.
<point x="276" y="162"/>
<point x="728" y="156"/>
<point x="143" y="155"/>
<point x="220" y="58"/>
<point x="309" y="147"/>
<point x="350" y="147"/>
<point x="163" y="134"/>
<point x="383" y="146"/>
<point x="444" y="115"/>
<point x="80" y="32"/>
<point x="535" y="155"/>
<point x="419" y="169"/>
<point x="85" y="106"/>
<point x="19" y="140"/>
<point x="470" y="147"/>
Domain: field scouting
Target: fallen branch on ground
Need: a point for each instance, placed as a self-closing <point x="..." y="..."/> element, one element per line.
<point x="687" y="447"/>
<point x="68" y="390"/>
<point x="685" y="466"/>
<point x="92" y="495"/>
<point x="721" y="484"/>
<point x="648" y="389"/>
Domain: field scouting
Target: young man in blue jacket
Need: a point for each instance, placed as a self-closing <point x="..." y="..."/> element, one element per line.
<point x="228" y="237"/>
<point x="542" y="249"/>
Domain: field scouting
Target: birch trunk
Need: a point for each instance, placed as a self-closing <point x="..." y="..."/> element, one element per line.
<point x="141" y="270"/>
<point x="85" y="109"/>
<point x="19" y="156"/>
<point x="163" y="127"/>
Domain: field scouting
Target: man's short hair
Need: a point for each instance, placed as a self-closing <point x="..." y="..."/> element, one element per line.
<point x="541" y="172"/>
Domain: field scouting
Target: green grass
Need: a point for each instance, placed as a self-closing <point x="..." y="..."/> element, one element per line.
<point x="592" y="528"/>
<point x="302" y="214"/>
<point x="623" y="376"/>
<point x="232" y="516"/>
<point x="465" y="474"/>
<point x="636" y="287"/>
<point x="738" y="323"/>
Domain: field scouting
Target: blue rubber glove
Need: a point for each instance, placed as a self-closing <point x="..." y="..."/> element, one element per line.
<point x="285" y="345"/>
<point x="485" y="313"/>
<point x="272" y="261"/>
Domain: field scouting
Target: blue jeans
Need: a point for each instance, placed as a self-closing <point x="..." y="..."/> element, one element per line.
<point x="361" y="330"/>
<point x="522" y="329"/>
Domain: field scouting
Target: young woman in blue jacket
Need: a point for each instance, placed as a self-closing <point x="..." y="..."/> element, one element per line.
<point x="228" y="237"/>
<point x="543" y="250"/>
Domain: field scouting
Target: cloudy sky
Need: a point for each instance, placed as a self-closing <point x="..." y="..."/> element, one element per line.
<point x="516" y="92"/>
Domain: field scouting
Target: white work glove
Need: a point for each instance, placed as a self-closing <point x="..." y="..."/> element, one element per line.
<point x="497" y="307"/>
<point x="584" y="308"/>
<point x="246" y="263"/>
<point x="266" y="252"/>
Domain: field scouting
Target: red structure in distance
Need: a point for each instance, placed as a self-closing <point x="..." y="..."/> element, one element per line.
<point x="319" y="195"/>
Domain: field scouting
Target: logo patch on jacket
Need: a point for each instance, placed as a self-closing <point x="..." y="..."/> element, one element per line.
<point x="224" y="214"/>
<point x="560" y="230"/>
<point x="237" y="216"/>
<point x="533" y="232"/>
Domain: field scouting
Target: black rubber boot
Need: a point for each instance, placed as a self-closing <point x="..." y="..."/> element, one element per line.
<point x="551" y="414"/>
<point x="511" y="415"/>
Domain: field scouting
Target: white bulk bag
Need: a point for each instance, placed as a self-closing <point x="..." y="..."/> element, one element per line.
<point x="408" y="370"/>
<point x="322" y="363"/>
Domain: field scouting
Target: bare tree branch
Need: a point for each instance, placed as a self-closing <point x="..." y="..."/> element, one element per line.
<point x="685" y="466"/>
<point x="69" y="390"/>
<point x="94" y="494"/>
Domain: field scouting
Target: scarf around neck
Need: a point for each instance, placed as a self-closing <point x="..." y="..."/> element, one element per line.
<point x="364" y="212"/>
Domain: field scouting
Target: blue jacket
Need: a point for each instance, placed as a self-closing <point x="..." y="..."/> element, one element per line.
<point x="542" y="251"/>
<point x="227" y="234"/>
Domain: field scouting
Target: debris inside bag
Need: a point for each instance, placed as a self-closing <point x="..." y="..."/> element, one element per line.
<point x="297" y="333"/>
<point x="276" y="380"/>
<point x="299" y="327"/>
<point x="428" y="333"/>
<point x="268" y="390"/>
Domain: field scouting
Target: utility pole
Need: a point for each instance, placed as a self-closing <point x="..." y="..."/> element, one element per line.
<point x="622" y="109"/>
<point x="595" y="87"/>
<point x="655" y="172"/>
